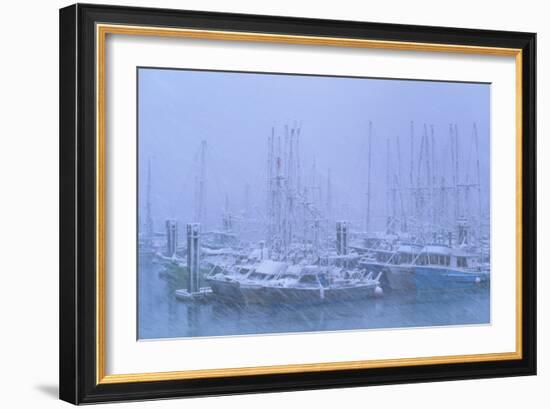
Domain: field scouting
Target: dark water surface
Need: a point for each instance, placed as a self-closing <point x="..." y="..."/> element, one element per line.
<point x="161" y="315"/>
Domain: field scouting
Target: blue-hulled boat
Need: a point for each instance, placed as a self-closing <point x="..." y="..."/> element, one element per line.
<point x="442" y="268"/>
<point x="399" y="269"/>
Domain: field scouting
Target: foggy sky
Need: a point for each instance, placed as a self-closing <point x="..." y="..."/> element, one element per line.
<point x="234" y="113"/>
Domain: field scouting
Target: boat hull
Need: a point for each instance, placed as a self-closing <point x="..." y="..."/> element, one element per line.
<point x="226" y="289"/>
<point x="446" y="279"/>
<point x="314" y="295"/>
<point x="400" y="278"/>
<point x="251" y="294"/>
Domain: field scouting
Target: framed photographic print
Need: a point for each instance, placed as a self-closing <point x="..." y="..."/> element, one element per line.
<point x="258" y="203"/>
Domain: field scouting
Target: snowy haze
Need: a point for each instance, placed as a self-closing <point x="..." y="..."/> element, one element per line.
<point x="235" y="113"/>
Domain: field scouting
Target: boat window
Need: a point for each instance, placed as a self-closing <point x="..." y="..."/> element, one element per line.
<point x="461" y="262"/>
<point x="308" y="279"/>
<point x="259" y="276"/>
<point x="385" y="257"/>
<point x="422" y="260"/>
<point x="216" y="270"/>
<point x="405" y="258"/>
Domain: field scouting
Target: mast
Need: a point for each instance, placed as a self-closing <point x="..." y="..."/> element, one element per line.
<point x="270" y="206"/>
<point x="289" y="191"/>
<point x="246" y="204"/>
<point x="478" y="182"/>
<point x="298" y="169"/>
<point x="457" y="171"/>
<point x="286" y="197"/>
<point x="478" y="172"/>
<point x="329" y="196"/>
<point x="388" y="189"/>
<point x="227" y="219"/>
<point x="200" y="187"/>
<point x="398" y="185"/>
<point x="149" y="227"/>
<point x="314" y="187"/>
<point x="369" y="157"/>
<point x="402" y="205"/>
<point x="433" y="180"/>
<point x="419" y="196"/>
<point x="428" y="172"/>
<point x="278" y="204"/>
<point x="453" y="172"/>
<point x="411" y="170"/>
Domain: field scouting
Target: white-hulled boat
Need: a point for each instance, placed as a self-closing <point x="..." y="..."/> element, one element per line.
<point x="315" y="284"/>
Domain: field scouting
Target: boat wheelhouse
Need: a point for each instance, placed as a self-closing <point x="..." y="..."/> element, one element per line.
<point x="442" y="268"/>
<point x="252" y="286"/>
<point x="224" y="280"/>
<point x="399" y="269"/>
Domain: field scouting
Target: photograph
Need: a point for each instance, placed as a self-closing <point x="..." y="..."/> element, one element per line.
<point x="277" y="203"/>
<point x="256" y="201"/>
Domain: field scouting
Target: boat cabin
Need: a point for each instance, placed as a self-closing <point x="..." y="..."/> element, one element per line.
<point x="313" y="277"/>
<point x="382" y="256"/>
<point x="440" y="255"/>
<point x="405" y="254"/>
<point x="463" y="259"/>
<point x="267" y="270"/>
<point x="244" y="270"/>
<point x="434" y="255"/>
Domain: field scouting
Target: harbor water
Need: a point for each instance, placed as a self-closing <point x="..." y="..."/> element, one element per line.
<point x="161" y="315"/>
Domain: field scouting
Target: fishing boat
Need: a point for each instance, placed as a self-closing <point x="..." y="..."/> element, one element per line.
<point x="225" y="280"/>
<point x="319" y="284"/>
<point x="272" y="282"/>
<point x="441" y="268"/>
<point x="376" y="260"/>
<point x="399" y="269"/>
<point x="253" y="286"/>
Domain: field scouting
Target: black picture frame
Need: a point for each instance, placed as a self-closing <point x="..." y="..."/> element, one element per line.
<point x="78" y="313"/>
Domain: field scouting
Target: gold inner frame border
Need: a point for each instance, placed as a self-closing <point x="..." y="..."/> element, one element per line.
<point x="102" y="30"/>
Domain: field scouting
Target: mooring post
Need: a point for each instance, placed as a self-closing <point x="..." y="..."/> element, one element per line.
<point x="171" y="237"/>
<point x="193" y="256"/>
<point x="342" y="238"/>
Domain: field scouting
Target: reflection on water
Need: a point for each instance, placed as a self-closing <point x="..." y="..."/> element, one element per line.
<point x="161" y="315"/>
